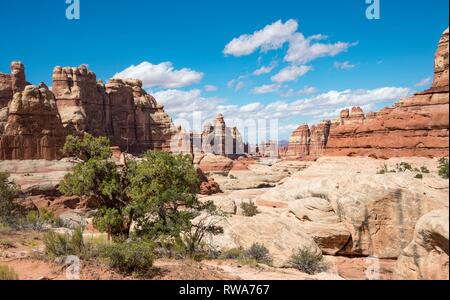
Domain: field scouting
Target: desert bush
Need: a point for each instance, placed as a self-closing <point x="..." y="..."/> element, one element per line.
<point x="249" y="209"/>
<point x="59" y="245"/>
<point x="305" y="260"/>
<point x="424" y="170"/>
<point x="259" y="253"/>
<point x="233" y="253"/>
<point x="38" y="219"/>
<point x="404" y="166"/>
<point x="419" y="176"/>
<point x="9" y="210"/>
<point x="7" y="273"/>
<point x="130" y="257"/>
<point x="443" y="167"/>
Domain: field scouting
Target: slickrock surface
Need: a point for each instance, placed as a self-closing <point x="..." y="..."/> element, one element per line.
<point x="427" y="255"/>
<point x="341" y="204"/>
<point x="379" y="210"/>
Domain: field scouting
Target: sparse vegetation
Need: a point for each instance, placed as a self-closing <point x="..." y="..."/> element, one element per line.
<point x="38" y="219"/>
<point x="158" y="194"/>
<point x="7" y="273"/>
<point x="305" y="260"/>
<point x="443" y="167"/>
<point x="59" y="245"/>
<point x="233" y="253"/>
<point x="9" y="210"/>
<point x="259" y="253"/>
<point x="403" y="167"/>
<point x="249" y="209"/>
<point x="131" y="257"/>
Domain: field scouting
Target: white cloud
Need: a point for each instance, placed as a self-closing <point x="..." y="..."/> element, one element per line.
<point x="344" y="65"/>
<point x="237" y="84"/>
<point x="302" y="50"/>
<point x="271" y="37"/>
<point x="264" y="70"/>
<point x="425" y="82"/>
<point x="210" y="88"/>
<point x="291" y="73"/>
<point x="251" y="107"/>
<point x="265" y="89"/>
<point x="162" y="75"/>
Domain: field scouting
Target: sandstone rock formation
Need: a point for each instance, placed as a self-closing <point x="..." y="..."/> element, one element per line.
<point x="121" y="110"/>
<point x="417" y="126"/>
<point x="427" y="255"/>
<point x="307" y="142"/>
<point x="379" y="211"/>
<point x="33" y="129"/>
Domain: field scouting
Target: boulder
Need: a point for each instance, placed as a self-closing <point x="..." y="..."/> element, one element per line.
<point x="426" y="257"/>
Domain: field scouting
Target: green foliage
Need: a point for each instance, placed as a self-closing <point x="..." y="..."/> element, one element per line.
<point x="233" y="253"/>
<point x="38" y="219"/>
<point x="419" y="176"/>
<point x="305" y="260"/>
<point x="59" y="245"/>
<point x="443" y="167"/>
<point x="109" y="220"/>
<point x="9" y="210"/>
<point x="157" y="193"/>
<point x="424" y="170"/>
<point x="259" y="253"/>
<point x="249" y="209"/>
<point x="7" y="273"/>
<point x="160" y="185"/>
<point x="403" y="167"/>
<point x="96" y="177"/>
<point x="131" y="257"/>
<point x="87" y="147"/>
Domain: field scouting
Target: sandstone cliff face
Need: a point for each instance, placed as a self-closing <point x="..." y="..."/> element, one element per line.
<point x="307" y="142"/>
<point x="33" y="129"/>
<point x="121" y="110"/>
<point x="417" y="126"/>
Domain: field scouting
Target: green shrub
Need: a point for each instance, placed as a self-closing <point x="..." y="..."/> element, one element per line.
<point x="7" y="273"/>
<point x="38" y="219"/>
<point x="59" y="245"/>
<point x="259" y="253"/>
<point x="233" y="253"/>
<point x="305" y="260"/>
<point x="249" y="209"/>
<point x="419" y="176"/>
<point x="9" y="210"/>
<point x="404" y="166"/>
<point x="132" y="257"/>
<point x="424" y="170"/>
<point x="443" y="167"/>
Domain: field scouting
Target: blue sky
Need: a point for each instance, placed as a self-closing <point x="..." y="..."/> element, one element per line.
<point x="327" y="54"/>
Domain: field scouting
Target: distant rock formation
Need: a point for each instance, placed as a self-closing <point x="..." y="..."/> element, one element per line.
<point x="417" y="126"/>
<point x="34" y="121"/>
<point x="307" y="142"/>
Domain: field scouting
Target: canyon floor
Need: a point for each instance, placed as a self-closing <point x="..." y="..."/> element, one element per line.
<point x="372" y="219"/>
